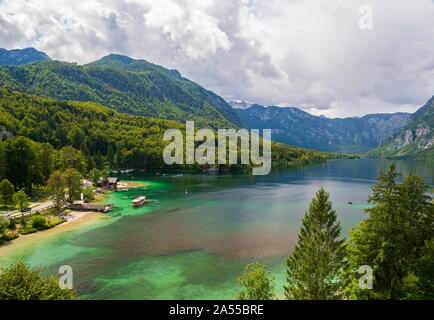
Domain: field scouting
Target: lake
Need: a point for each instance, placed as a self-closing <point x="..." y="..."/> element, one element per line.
<point x="196" y="245"/>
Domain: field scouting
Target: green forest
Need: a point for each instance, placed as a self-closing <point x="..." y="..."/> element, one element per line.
<point x="152" y="92"/>
<point x="39" y="136"/>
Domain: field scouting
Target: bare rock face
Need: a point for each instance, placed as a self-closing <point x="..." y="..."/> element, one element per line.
<point x="296" y="127"/>
<point x="414" y="141"/>
<point x="411" y="134"/>
<point x="426" y="143"/>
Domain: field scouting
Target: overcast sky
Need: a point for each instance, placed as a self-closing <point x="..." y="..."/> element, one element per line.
<point x="305" y="53"/>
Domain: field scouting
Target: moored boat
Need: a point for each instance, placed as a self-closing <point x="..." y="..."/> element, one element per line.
<point x="138" y="202"/>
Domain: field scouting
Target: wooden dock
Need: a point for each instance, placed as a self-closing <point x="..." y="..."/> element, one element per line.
<point x="90" y="207"/>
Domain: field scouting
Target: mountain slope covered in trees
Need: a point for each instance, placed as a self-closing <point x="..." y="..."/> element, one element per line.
<point x="413" y="141"/>
<point x="299" y="128"/>
<point x="21" y="56"/>
<point x="39" y="135"/>
<point x="137" y="87"/>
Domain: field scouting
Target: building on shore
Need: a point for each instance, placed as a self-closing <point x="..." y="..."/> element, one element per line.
<point x="112" y="183"/>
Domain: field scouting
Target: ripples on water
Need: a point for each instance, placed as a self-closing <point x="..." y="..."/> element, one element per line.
<point x="195" y="246"/>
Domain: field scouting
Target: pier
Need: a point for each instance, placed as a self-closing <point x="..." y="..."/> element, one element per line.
<point x="90" y="207"/>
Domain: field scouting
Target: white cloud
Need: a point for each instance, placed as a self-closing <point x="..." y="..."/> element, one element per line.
<point x="309" y="54"/>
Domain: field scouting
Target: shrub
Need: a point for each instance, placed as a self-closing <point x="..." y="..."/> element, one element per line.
<point x="39" y="223"/>
<point x="27" y="230"/>
<point x="54" y="221"/>
<point x="9" y="237"/>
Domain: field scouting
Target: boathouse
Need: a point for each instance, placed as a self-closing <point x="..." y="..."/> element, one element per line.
<point x="112" y="183"/>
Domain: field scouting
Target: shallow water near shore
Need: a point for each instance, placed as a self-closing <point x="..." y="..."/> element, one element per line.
<point x="195" y="245"/>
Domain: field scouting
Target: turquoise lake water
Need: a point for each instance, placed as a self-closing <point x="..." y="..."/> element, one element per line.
<point x="195" y="245"/>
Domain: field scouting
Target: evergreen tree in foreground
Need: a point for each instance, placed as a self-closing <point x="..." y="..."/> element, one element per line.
<point x="257" y="283"/>
<point x="316" y="265"/>
<point x="396" y="240"/>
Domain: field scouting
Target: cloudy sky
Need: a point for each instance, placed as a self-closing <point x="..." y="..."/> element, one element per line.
<point x="306" y="53"/>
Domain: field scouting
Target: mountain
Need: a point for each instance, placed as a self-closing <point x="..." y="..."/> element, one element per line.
<point x="19" y="57"/>
<point x="413" y="141"/>
<point x="238" y="104"/>
<point x="130" y="86"/>
<point x="103" y="134"/>
<point x="299" y="128"/>
<point x="127" y="63"/>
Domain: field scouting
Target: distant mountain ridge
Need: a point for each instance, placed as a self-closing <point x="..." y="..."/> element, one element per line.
<point x="413" y="141"/>
<point x="18" y="57"/>
<point x="130" y="86"/>
<point x="240" y="104"/>
<point x="349" y="135"/>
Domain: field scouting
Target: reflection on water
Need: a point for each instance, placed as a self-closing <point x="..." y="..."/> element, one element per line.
<point x="195" y="245"/>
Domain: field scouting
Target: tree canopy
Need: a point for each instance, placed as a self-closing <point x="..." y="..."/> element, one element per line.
<point x="256" y="283"/>
<point x="316" y="265"/>
<point x="396" y="240"/>
<point x="19" y="281"/>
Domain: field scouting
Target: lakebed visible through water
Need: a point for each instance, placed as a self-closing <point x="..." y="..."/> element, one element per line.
<point x="195" y="245"/>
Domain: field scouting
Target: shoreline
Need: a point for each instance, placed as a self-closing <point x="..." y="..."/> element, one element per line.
<point x="75" y="219"/>
<point x="24" y="242"/>
<point x="73" y="216"/>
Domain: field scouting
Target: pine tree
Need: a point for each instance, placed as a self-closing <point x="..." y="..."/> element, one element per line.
<point x="316" y="266"/>
<point x="394" y="239"/>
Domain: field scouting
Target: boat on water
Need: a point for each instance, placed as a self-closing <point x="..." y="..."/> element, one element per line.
<point x="138" y="202"/>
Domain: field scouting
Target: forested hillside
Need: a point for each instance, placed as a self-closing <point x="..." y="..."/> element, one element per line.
<point x="147" y="91"/>
<point x="39" y="135"/>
